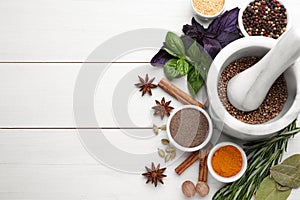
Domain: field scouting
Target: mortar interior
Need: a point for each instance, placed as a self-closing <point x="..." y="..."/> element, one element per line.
<point x="289" y="75"/>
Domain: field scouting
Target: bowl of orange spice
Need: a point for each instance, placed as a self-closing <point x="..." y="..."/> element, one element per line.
<point x="227" y="162"/>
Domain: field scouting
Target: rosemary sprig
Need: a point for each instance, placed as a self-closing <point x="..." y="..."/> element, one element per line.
<point x="261" y="156"/>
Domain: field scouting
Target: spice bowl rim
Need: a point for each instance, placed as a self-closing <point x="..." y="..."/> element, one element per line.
<point x="209" y="134"/>
<point x="243" y="8"/>
<point x="221" y="178"/>
<point x="208" y="17"/>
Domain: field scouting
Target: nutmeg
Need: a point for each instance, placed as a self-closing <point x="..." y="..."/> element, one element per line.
<point x="188" y="189"/>
<point x="202" y="188"/>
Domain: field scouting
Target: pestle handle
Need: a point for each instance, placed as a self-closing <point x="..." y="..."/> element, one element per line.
<point x="247" y="90"/>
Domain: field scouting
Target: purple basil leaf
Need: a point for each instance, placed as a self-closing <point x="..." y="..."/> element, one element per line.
<point x="195" y="30"/>
<point x="225" y="38"/>
<point x="210" y="34"/>
<point x="190" y="31"/>
<point x="227" y="22"/>
<point x="198" y="26"/>
<point x="160" y="58"/>
<point x="212" y="46"/>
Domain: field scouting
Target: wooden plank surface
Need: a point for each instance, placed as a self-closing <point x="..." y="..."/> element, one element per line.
<point x="69" y="30"/>
<point x="43" y="164"/>
<point x="42" y="95"/>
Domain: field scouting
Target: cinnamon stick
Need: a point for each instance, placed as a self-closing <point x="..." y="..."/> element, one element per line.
<point x="187" y="162"/>
<point x="178" y="93"/>
<point x="202" y="164"/>
<point x="205" y="171"/>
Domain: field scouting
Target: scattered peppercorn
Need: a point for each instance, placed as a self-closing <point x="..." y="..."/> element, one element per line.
<point x="266" y="18"/>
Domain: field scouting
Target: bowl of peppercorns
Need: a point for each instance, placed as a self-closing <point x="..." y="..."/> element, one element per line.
<point x="268" y="18"/>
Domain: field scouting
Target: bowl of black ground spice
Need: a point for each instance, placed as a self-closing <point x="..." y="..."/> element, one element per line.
<point x="189" y="128"/>
<point x="280" y="107"/>
<point x="269" y="18"/>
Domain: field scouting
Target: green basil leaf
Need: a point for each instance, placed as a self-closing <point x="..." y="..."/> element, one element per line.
<point x="204" y="65"/>
<point x="287" y="173"/>
<point x="170" y="69"/>
<point x="183" y="67"/>
<point x="175" y="44"/>
<point x="203" y="70"/>
<point x="171" y="52"/>
<point x="194" y="53"/>
<point x="267" y="191"/>
<point x="195" y="81"/>
<point x="199" y="58"/>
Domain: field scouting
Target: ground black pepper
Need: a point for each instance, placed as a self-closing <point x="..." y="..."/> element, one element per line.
<point x="189" y="127"/>
<point x="265" y="17"/>
<point x="271" y="106"/>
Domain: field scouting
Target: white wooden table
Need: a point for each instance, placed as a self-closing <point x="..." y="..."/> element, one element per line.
<point x="43" y="45"/>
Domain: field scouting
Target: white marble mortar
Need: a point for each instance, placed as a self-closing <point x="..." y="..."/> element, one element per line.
<point x="251" y="46"/>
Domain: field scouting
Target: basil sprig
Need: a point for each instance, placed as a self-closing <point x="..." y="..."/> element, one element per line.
<point x="175" y="44"/>
<point x="193" y="62"/>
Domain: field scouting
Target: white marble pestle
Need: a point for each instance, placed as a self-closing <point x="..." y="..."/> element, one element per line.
<point x="247" y="90"/>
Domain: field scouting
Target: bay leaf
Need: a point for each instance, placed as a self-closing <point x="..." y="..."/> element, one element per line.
<point x="293" y="160"/>
<point x="267" y="191"/>
<point x="287" y="173"/>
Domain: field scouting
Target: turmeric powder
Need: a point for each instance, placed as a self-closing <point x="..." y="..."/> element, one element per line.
<point x="227" y="161"/>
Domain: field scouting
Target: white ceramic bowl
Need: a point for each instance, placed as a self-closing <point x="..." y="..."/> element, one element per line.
<point x="221" y="178"/>
<point x="251" y="46"/>
<point x="207" y="17"/>
<point x="209" y="134"/>
<point x="243" y="8"/>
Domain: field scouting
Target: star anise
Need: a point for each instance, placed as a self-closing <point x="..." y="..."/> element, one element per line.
<point x="162" y="108"/>
<point x="145" y="85"/>
<point x="155" y="174"/>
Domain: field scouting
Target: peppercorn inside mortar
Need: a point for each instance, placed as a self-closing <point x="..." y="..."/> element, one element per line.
<point x="272" y="104"/>
<point x="227" y="161"/>
<point x="189" y="127"/>
<point x="266" y="18"/>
